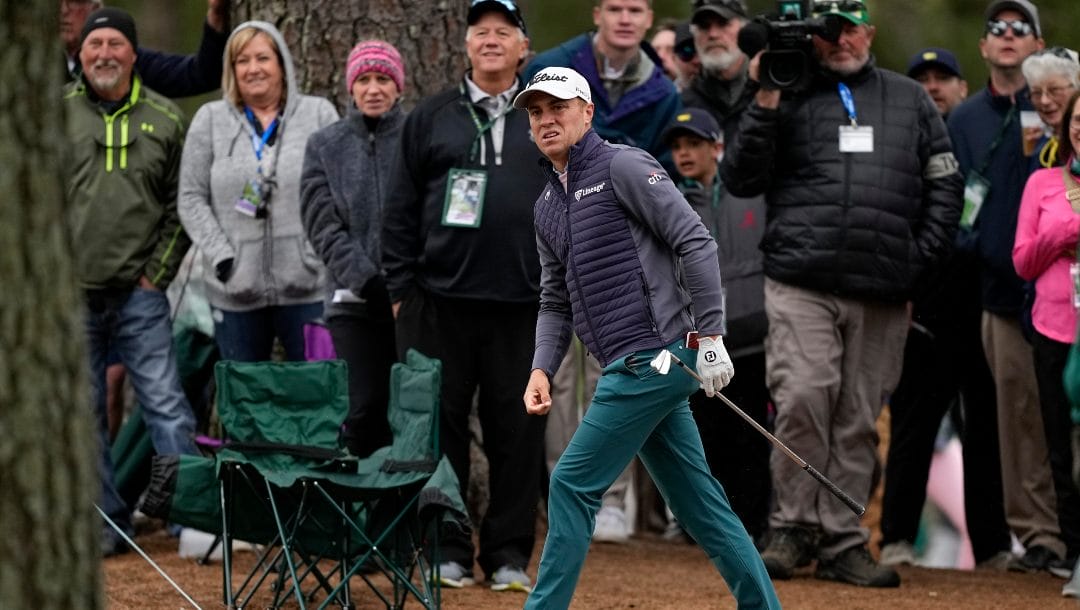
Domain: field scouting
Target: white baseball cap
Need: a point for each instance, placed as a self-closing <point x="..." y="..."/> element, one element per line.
<point x="563" y="83"/>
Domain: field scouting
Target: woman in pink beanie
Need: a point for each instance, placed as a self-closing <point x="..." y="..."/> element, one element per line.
<point x="346" y="170"/>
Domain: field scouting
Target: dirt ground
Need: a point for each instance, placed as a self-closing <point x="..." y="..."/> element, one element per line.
<point x="645" y="573"/>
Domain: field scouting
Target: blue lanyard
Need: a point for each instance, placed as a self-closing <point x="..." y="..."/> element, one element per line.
<point x="849" y="102"/>
<point x="257" y="142"/>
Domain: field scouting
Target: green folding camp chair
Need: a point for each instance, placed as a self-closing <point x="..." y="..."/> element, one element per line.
<point x="320" y="514"/>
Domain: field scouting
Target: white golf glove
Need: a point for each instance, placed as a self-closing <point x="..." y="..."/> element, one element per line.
<point x="714" y="365"/>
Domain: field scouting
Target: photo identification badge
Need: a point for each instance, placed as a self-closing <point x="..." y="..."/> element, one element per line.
<point x="464" y="203"/>
<point x="856" y="139"/>
<point x="249" y="201"/>
<point x="975" y="189"/>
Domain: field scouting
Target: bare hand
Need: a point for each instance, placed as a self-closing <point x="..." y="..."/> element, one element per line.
<point x="394" y="307"/>
<point x="217" y="14"/>
<point x="146" y="284"/>
<point x="538" y="393"/>
<point x="765" y="98"/>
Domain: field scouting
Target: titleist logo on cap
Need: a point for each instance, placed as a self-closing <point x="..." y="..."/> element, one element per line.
<point x="541" y="77"/>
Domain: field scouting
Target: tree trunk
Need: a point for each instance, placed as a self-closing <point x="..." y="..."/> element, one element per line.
<point x="429" y="34"/>
<point x="49" y="556"/>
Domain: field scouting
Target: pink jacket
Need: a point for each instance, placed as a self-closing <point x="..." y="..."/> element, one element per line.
<point x="1046" y="234"/>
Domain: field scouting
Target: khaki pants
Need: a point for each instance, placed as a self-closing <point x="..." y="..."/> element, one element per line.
<point x="829" y="362"/>
<point x="571" y="392"/>
<point x="1030" y="501"/>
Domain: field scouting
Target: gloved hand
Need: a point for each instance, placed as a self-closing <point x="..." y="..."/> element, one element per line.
<point x="714" y="365"/>
<point x="223" y="270"/>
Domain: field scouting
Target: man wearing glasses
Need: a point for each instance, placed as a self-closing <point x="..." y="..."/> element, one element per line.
<point x="863" y="197"/>
<point x="986" y="131"/>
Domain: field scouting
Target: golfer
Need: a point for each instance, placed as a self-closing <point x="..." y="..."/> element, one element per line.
<point x="628" y="262"/>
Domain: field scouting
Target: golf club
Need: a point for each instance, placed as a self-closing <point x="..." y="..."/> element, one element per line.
<point x="662" y="364"/>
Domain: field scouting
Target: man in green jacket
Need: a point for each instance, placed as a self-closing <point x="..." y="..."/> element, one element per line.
<point x="124" y="145"/>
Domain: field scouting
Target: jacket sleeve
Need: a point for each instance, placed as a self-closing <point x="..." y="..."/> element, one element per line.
<point x="173" y="242"/>
<point x="746" y="168"/>
<point x="185" y="75"/>
<point x="657" y="204"/>
<point x="553" y="323"/>
<point x="935" y="229"/>
<point x="1039" y="244"/>
<point x="402" y="242"/>
<point x="326" y="228"/>
<point x="195" y="203"/>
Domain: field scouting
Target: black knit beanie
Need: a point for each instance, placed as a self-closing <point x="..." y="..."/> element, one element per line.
<point x="110" y="17"/>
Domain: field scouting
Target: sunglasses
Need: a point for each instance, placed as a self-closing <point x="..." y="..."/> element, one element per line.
<point x="685" y="51"/>
<point x="998" y="27"/>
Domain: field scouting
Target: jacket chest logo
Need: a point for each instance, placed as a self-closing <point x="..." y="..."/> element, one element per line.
<point x="589" y="190"/>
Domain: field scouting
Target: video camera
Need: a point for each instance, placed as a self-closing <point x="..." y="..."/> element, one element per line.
<point x="787" y="38"/>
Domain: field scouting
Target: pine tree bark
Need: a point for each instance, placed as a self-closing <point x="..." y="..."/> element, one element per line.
<point x="49" y="556"/>
<point x="429" y="34"/>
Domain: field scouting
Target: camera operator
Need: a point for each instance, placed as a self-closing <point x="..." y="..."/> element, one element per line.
<point x="863" y="196"/>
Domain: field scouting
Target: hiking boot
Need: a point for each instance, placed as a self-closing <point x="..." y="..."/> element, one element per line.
<point x="788" y="548"/>
<point x="509" y="578"/>
<point x="855" y="566"/>
<point x="454" y="575"/>
<point x="898" y="553"/>
<point x="611" y="526"/>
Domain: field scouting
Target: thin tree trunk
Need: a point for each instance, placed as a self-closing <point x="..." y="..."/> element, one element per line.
<point x="429" y="34"/>
<point x="49" y="556"/>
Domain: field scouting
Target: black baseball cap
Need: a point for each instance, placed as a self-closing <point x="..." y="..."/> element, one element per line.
<point x="697" y="121"/>
<point x="507" y="7"/>
<point x="725" y="9"/>
<point x="934" y="57"/>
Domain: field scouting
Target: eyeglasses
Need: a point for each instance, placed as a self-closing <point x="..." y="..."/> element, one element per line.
<point x="685" y="51"/>
<point x="1019" y="28"/>
<point x="1050" y="92"/>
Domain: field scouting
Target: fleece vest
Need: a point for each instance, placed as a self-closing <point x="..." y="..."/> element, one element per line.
<point x="590" y="233"/>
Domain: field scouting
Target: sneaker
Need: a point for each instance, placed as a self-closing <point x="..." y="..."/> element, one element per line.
<point x="611" y="526"/>
<point x="509" y="578"/>
<point x="1072" y="588"/>
<point x="454" y="575"/>
<point x="898" y="553"/>
<point x="1062" y="568"/>
<point x="112" y="544"/>
<point x="674" y="532"/>
<point x="855" y="566"/>
<point x="998" y="562"/>
<point x="1036" y="559"/>
<point x="788" y="548"/>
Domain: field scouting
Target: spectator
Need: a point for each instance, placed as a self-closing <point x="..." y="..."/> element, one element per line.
<point x="986" y="133"/>
<point x="461" y="267"/>
<point x="939" y="73"/>
<point x="686" y="59"/>
<point x="625" y="309"/>
<point x="944" y="368"/>
<point x="721" y="85"/>
<point x="634" y="99"/>
<point x="169" y="75"/>
<point x="736" y="457"/>
<point x="240" y="198"/>
<point x="1045" y="252"/>
<point x="347" y="168"/>
<point x="858" y="209"/>
<point x="663" y="42"/>
<point x="123" y="216"/>
<point x="1052" y="76"/>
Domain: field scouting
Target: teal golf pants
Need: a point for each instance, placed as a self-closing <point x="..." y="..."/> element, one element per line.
<point x="637" y="410"/>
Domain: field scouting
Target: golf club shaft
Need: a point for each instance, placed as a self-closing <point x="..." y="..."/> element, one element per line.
<point x="857" y="508"/>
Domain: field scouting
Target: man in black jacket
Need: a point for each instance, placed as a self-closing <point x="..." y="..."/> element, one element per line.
<point x="464" y="280"/>
<point x="863" y="195"/>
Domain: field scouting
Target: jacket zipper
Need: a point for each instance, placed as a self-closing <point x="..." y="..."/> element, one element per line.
<point x="573" y="265"/>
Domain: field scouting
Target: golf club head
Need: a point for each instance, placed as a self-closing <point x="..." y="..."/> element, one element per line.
<point x="662" y="362"/>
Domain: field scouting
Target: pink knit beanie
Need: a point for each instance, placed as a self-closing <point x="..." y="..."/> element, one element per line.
<point x="374" y="56"/>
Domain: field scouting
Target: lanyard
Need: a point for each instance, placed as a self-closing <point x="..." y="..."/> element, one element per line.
<point x="259" y="142"/>
<point x="848" y="101"/>
<point x="481" y="127"/>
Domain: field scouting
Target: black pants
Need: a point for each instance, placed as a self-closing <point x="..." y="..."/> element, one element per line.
<point x="366" y="343"/>
<point x="937" y="370"/>
<point x="1050" y="357"/>
<point x="486" y="350"/>
<point x="738" y="455"/>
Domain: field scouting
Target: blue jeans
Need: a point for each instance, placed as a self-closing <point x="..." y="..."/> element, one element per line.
<point x="637" y="410"/>
<point x="248" y="336"/>
<point x="135" y="324"/>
